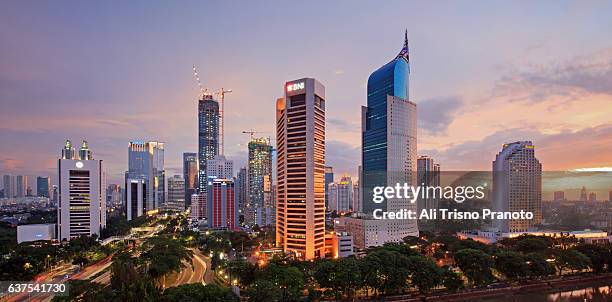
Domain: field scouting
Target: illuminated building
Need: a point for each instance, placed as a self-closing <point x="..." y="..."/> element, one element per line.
<point x="300" y="136"/>
<point x="517" y="185"/>
<point x="221" y="204"/>
<point x="242" y="193"/>
<point x="135" y="197"/>
<point x="389" y="146"/>
<point x="259" y="182"/>
<point x="208" y="137"/>
<point x="190" y="175"/>
<point x="219" y="167"/>
<point x="146" y="162"/>
<point x="340" y="195"/>
<point x="329" y="178"/>
<point x="338" y="244"/>
<point x="43" y="186"/>
<point x="82" y="203"/>
<point x="176" y="193"/>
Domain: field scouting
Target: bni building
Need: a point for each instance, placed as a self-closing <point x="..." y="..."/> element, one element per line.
<point x="300" y="134"/>
<point x="389" y="149"/>
<point x="82" y="204"/>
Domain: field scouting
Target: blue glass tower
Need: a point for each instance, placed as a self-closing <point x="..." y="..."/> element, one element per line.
<point x="208" y="136"/>
<point x="388" y="94"/>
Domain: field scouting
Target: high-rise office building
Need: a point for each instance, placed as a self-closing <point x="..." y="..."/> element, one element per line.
<point x="389" y="146"/>
<point x="221" y="204"/>
<point x="592" y="197"/>
<point x="21" y="186"/>
<point x="208" y="137"/>
<point x="190" y="175"/>
<point x="356" y="206"/>
<point x="559" y="196"/>
<point x="428" y="175"/>
<point x="242" y="193"/>
<point x="219" y="167"/>
<point x="329" y="178"/>
<point x="583" y="194"/>
<point x="341" y="195"/>
<point x="259" y="182"/>
<point x="176" y="193"/>
<point x="300" y="135"/>
<point x="114" y="195"/>
<point x="82" y="203"/>
<point x="146" y="162"/>
<point x="517" y="185"/>
<point x="9" y="186"/>
<point x="43" y="186"/>
<point x="136" y="196"/>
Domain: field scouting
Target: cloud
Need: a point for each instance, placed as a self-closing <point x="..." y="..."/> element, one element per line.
<point x="435" y="115"/>
<point x="590" y="74"/>
<point x="342" y="156"/>
<point x="343" y="125"/>
<point x="338" y="71"/>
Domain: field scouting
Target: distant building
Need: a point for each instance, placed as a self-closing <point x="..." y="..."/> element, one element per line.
<point x="428" y="175"/>
<point x="82" y="203"/>
<point x="219" y="167"/>
<point x="9" y="186"/>
<point x="35" y="232"/>
<point x="592" y="197"/>
<point x="356" y="197"/>
<point x="610" y="196"/>
<point x="583" y="194"/>
<point x="341" y="195"/>
<point x="559" y="196"/>
<point x="259" y="182"/>
<point x="242" y="193"/>
<point x="190" y="175"/>
<point x="208" y="137"/>
<point x="114" y="195"/>
<point x="21" y="186"/>
<point x="517" y="185"/>
<point x="146" y="162"/>
<point x="176" y="194"/>
<point x="300" y="136"/>
<point x="366" y="231"/>
<point x="43" y="186"/>
<point x="198" y="207"/>
<point x="221" y="204"/>
<point x="338" y="245"/>
<point x="329" y="178"/>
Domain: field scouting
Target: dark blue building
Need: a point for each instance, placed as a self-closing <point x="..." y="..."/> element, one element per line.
<point x="208" y="136"/>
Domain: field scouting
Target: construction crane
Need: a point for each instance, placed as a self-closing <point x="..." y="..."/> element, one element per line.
<point x="203" y="91"/>
<point x="252" y="133"/>
<point x="221" y="93"/>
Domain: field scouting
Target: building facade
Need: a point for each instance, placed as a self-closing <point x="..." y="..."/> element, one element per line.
<point x="146" y="162"/>
<point x="259" y="182"/>
<point x="208" y="137"/>
<point x="82" y="203"/>
<point x="190" y="175"/>
<point x="43" y="186"/>
<point x="329" y="178"/>
<point x="242" y="193"/>
<point x="428" y="175"/>
<point x="176" y="194"/>
<point x="300" y="135"/>
<point x="341" y="195"/>
<point x="517" y="185"/>
<point x="221" y="204"/>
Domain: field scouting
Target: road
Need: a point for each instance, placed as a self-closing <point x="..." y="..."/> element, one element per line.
<point x="199" y="272"/>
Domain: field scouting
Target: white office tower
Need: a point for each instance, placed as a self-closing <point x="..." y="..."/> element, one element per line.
<point x="517" y="185"/>
<point x="136" y="197"/>
<point x="219" y="167"/>
<point x="176" y="194"/>
<point x="82" y="202"/>
<point x="146" y="163"/>
<point x="340" y="195"/>
<point x="300" y="134"/>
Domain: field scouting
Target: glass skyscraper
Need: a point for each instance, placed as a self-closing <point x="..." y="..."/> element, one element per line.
<point x="208" y="136"/>
<point x="259" y="179"/>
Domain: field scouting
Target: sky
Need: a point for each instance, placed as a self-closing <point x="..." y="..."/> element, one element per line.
<point x="482" y="73"/>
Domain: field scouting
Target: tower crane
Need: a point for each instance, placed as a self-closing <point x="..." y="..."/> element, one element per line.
<point x="221" y="93"/>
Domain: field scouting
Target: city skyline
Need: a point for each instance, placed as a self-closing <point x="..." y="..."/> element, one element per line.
<point x="462" y="103"/>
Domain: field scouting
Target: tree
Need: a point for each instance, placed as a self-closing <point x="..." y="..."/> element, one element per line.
<point x="424" y="274"/>
<point x="197" y="292"/>
<point x="385" y="271"/>
<point x="572" y="260"/>
<point x="277" y="283"/>
<point x="164" y="255"/>
<point x="451" y="280"/>
<point x="511" y="264"/>
<point x="241" y="270"/>
<point x="601" y="257"/>
<point x="538" y="266"/>
<point x="476" y="265"/>
<point x="349" y="276"/>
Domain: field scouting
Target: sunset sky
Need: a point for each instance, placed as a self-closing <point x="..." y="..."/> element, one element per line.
<point x="483" y="73"/>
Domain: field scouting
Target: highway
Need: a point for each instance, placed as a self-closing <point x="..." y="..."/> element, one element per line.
<point x="199" y="272"/>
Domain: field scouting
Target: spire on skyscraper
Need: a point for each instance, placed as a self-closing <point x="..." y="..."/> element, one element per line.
<point x="404" y="52"/>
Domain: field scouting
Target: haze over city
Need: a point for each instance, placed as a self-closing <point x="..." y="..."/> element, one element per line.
<point x="482" y="74"/>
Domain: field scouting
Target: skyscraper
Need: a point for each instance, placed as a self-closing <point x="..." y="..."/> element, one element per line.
<point x="82" y="204"/>
<point x="190" y="175"/>
<point x="242" y="193"/>
<point x="136" y="195"/>
<point x="259" y="181"/>
<point x="389" y="142"/>
<point x="208" y="136"/>
<point x="329" y="178"/>
<point x="9" y="186"/>
<point x="428" y="175"/>
<point x="43" y="186"/>
<point x="341" y="195"/>
<point x="583" y="194"/>
<point x="176" y="193"/>
<point x="300" y="134"/>
<point x="146" y="162"/>
<point x="517" y="185"/>
<point x="21" y="185"/>
<point x="219" y="167"/>
<point x="221" y="204"/>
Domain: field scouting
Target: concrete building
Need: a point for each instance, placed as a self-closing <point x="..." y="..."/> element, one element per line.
<point x="259" y="182"/>
<point x="221" y="204"/>
<point x="356" y="207"/>
<point x="242" y="194"/>
<point x="146" y="162"/>
<point x="21" y="186"/>
<point x="300" y="136"/>
<point x="517" y="185"/>
<point x="135" y="197"/>
<point x="198" y="207"/>
<point x="190" y="175"/>
<point x="82" y="203"/>
<point x="35" y="232"/>
<point x="366" y="232"/>
<point x="219" y="167"/>
<point x="208" y="137"/>
<point x="9" y="186"/>
<point x="338" y="245"/>
<point x="340" y="195"/>
<point x="559" y="196"/>
<point x="176" y="194"/>
<point x="592" y="197"/>
<point x="43" y="187"/>
<point x="329" y="178"/>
